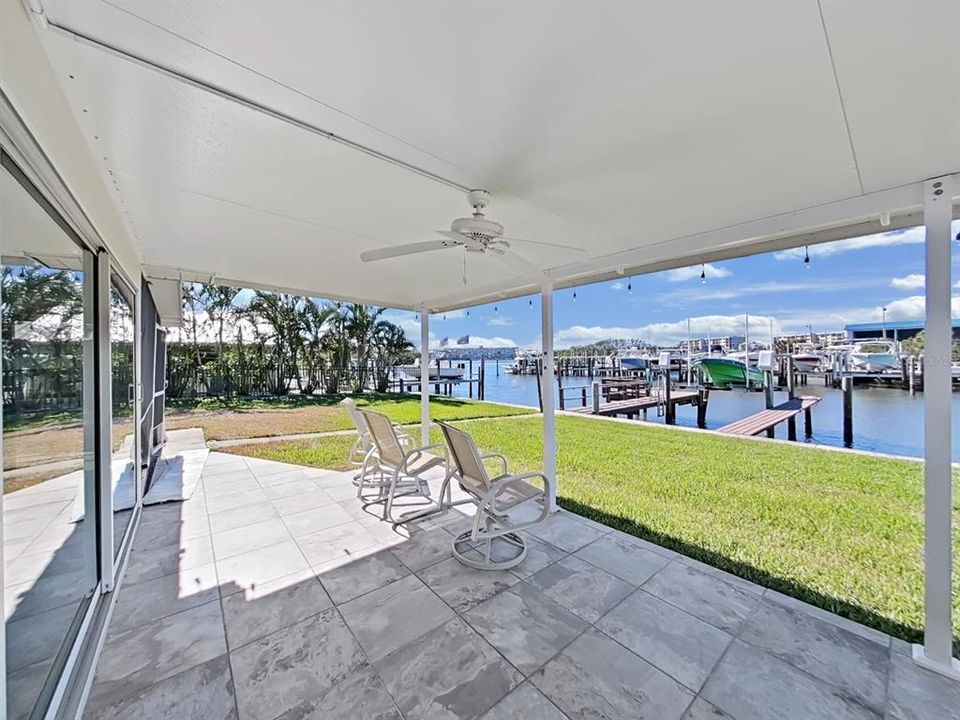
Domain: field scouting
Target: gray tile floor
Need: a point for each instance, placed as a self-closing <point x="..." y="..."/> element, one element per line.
<point x="273" y="594"/>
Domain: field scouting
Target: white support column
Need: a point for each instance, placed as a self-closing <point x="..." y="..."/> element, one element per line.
<point x="104" y="421"/>
<point x="424" y="377"/>
<point x="936" y="652"/>
<point x="547" y="380"/>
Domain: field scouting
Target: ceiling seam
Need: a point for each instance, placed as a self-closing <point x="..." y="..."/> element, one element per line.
<point x="269" y="78"/>
<point x="843" y="106"/>
<point x="253" y="105"/>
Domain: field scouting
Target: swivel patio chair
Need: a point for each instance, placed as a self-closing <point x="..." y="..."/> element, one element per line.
<point x="364" y="443"/>
<point x="392" y="469"/>
<point x="497" y="498"/>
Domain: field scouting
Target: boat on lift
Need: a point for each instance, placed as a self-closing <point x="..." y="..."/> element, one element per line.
<point x="725" y="372"/>
<point x="807" y="358"/>
<point x="874" y="355"/>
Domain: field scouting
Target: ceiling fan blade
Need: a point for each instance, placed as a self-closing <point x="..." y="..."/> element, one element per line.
<point x="409" y="249"/>
<point x="519" y="266"/>
<point x="547" y="244"/>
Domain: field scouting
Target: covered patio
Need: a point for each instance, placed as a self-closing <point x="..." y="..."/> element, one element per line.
<point x="272" y="593"/>
<point x="296" y="147"/>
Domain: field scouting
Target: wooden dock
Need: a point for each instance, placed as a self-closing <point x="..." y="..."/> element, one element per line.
<point x="634" y="406"/>
<point x="766" y="420"/>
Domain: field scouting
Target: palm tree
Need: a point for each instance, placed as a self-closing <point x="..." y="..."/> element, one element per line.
<point x="319" y="323"/>
<point x="363" y="323"/>
<point x="279" y="313"/>
<point x="391" y="348"/>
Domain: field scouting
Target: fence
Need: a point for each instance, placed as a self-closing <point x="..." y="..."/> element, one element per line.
<point x="235" y="380"/>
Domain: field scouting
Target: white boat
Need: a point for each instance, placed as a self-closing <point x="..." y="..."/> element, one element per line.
<point x="807" y="358"/>
<point x="523" y="362"/>
<point x="874" y="355"/>
<point x="634" y="359"/>
<point x="806" y="362"/>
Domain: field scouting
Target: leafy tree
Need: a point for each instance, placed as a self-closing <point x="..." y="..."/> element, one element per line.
<point x="391" y="348"/>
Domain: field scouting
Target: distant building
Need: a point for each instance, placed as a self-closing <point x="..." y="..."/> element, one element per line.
<point x="835" y="337"/>
<point x="730" y="343"/>
<point x="892" y="330"/>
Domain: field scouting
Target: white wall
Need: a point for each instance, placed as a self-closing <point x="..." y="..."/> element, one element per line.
<point x="29" y="82"/>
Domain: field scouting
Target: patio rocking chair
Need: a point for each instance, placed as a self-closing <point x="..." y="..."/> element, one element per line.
<point x="393" y="469"/>
<point x="496" y="497"/>
<point x="364" y="443"/>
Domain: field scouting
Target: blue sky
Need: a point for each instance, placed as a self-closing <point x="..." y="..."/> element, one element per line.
<point x="845" y="281"/>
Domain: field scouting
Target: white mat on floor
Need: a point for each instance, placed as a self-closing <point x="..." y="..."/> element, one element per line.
<point x="176" y="477"/>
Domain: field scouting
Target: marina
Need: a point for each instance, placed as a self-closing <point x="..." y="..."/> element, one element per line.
<point x="887" y="418"/>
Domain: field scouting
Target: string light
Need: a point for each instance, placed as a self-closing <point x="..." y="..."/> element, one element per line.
<point x="703" y="273"/>
<point x="574" y="295"/>
<point x="468" y="313"/>
<point x="531" y="302"/>
<point x="495" y="308"/>
<point x="630" y="286"/>
<point x="806" y="257"/>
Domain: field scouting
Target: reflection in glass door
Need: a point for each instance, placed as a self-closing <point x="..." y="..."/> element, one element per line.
<point x="124" y="465"/>
<point x="49" y="508"/>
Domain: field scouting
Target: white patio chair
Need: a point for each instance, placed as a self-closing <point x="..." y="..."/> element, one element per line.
<point x="392" y="469"/>
<point x="496" y="497"/>
<point x="364" y="443"/>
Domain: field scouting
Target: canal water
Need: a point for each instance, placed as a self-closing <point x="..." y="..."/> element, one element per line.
<point x="885" y="420"/>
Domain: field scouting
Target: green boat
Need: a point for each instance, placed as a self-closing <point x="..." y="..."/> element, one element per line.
<point x="724" y="372"/>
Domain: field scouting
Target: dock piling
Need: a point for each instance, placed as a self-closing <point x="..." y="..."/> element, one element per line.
<point x="702" y="408"/>
<point x="847" y="386"/>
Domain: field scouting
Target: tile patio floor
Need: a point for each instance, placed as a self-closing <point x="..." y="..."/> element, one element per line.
<point x="272" y="594"/>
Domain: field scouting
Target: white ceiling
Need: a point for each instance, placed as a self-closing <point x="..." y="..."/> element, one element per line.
<point x="608" y="126"/>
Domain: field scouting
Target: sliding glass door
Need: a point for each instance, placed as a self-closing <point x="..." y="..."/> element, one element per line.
<point x="51" y="570"/>
<point x="124" y="465"/>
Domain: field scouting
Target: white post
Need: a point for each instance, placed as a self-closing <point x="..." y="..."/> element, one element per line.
<point x="546" y="381"/>
<point x="936" y="652"/>
<point x="746" y="345"/>
<point x="424" y="376"/>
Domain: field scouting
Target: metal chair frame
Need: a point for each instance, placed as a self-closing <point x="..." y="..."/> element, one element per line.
<point x="491" y="496"/>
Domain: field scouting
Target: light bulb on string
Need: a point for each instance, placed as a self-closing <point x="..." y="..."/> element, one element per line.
<point x="630" y="286"/>
<point x="806" y="257"/>
<point x="703" y="274"/>
<point x="495" y="308"/>
<point x="574" y="295"/>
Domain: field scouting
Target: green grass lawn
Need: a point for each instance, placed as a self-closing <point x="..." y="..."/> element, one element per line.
<point x="842" y="531"/>
<point x="228" y="419"/>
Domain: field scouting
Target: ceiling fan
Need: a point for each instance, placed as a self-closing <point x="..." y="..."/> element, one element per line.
<point x="475" y="234"/>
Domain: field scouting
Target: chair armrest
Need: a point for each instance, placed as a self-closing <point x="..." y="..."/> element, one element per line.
<point x="523" y="477"/>
<point x="415" y="453"/>
<point x="499" y="457"/>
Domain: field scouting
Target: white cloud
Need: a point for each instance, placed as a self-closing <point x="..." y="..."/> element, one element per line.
<point x="909" y="236"/>
<point x="700" y="293"/>
<point x="501" y="321"/>
<point x="693" y="271"/>
<point x="618" y="285"/>
<point x="914" y="281"/>
<point x="669" y="333"/>
<point x="449" y="315"/>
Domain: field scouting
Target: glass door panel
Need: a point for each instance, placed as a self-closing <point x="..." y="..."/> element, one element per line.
<point x="124" y="463"/>
<point x="49" y="508"/>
